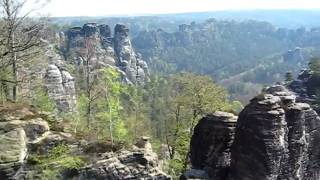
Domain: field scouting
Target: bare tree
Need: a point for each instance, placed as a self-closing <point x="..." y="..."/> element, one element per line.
<point x="19" y="39"/>
<point x="87" y="53"/>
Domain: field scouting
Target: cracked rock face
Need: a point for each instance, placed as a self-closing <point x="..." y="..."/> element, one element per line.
<point x="59" y="83"/>
<point x="276" y="139"/>
<point x="211" y="143"/>
<point x="17" y="129"/>
<point x="128" y="61"/>
<point x="61" y="88"/>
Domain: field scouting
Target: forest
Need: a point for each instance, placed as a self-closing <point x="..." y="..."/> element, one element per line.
<point x="147" y="77"/>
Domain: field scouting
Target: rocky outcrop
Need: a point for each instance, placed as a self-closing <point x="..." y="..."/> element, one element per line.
<point x="211" y="144"/>
<point x="25" y="134"/>
<point x="18" y="129"/>
<point x="107" y="51"/>
<point x="128" y="61"/>
<point x="305" y="88"/>
<point x="275" y="139"/>
<point x="59" y="84"/>
<point x="125" y="165"/>
<point x="140" y="163"/>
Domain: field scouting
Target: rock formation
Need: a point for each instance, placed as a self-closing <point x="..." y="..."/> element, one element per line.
<point x="128" y="61"/>
<point x="276" y="138"/>
<point x="26" y="133"/>
<point x="294" y="56"/>
<point x="19" y="129"/>
<point x="138" y="164"/>
<point x="59" y="84"/>
<point x="211" y="143"/>
<point x="104" y="50"/>
<point x="305" y="88"/>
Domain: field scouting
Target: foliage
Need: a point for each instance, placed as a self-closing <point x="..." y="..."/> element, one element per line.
<point x="20" y="41"/>
<point x="104" y="107"/>
<point x="49" y="167"/>
<point x="43" y="102"/>
<point x="190" y="97"/>
<point x="252" y="55"/>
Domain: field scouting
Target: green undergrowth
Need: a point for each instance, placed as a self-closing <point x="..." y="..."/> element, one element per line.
<point x="51" y="166"/>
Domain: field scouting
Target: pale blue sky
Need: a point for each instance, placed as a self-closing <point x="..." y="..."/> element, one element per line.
<point x="130" y="7"/>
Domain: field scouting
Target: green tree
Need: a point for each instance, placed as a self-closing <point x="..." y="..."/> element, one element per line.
<point x="192" y="96"/>
<point x="110" y="106"/>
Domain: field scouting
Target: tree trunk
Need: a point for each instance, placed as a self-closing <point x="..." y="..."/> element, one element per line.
<point x="110" y="124"/>
<point x="88" y="93"/>
<point x="14" y="71"/>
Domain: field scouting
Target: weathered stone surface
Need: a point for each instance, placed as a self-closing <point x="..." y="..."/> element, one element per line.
<point x="24" y="133"/>
<point x="124" y="165"/>
<point x="275" y="139"/>
<point x="128" y="61"/>
<point x="141" y="163"/>
<point x="211" y="144"/>
<point x="111" y="51"/>
<point x="18" y="128"/>
<point x="59" y="84"/>
<point x="13" y="151"/>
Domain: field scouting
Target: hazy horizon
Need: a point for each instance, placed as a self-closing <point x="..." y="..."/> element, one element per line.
<point x="62" y="8"/>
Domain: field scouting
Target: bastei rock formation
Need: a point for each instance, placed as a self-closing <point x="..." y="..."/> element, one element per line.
<point x="275" y="138"/>
<point x="95" y="44"/>
<point x="91" y="47"/>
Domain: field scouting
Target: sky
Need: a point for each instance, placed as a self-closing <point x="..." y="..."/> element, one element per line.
<point x="59" y="8"/>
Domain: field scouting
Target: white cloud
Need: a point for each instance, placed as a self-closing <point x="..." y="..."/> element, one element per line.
<point x="126" y="7"/>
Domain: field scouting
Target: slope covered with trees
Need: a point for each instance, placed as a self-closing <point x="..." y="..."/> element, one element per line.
<point x="248" y="51"/>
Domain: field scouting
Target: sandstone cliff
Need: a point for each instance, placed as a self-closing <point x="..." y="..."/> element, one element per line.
<point x="104" y="50"/>
<point x="60" y="84"/>
<point x="275" y="138"/>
